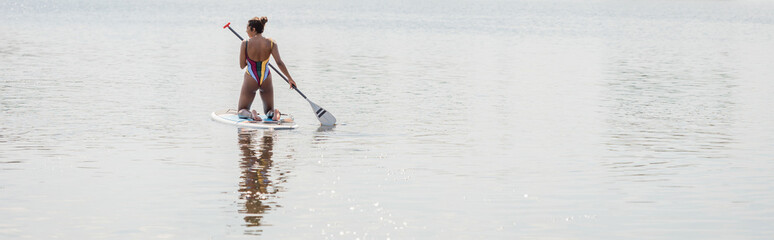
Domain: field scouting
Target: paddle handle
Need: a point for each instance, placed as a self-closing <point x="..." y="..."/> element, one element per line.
<point x="228" y="25"/>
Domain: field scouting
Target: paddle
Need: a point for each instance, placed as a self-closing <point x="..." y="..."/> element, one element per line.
<point x="325" y="117"/>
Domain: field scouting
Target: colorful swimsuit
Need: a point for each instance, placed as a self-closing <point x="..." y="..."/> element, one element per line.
<point x="259" y="70"/>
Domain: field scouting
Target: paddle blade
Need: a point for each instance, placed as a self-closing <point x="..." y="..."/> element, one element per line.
<point x="325" y="117"/>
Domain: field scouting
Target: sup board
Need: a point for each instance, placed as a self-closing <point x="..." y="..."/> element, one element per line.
<point x="230" y="117"/>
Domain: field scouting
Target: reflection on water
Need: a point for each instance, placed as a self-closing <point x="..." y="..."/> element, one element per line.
<point x="664" y="114"/>
<point x="258" y="189"/>
<point x="323" y="128"/>
<point x="321" y="136"/>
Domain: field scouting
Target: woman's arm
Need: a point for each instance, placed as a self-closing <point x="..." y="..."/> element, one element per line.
<point x="242" y="63"/>
<point x="281" y="64"/>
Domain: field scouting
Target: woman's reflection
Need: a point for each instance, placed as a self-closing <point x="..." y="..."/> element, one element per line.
<point x="256" y="188"/>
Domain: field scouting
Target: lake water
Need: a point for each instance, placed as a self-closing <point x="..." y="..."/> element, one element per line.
<point x="640" y="119"/>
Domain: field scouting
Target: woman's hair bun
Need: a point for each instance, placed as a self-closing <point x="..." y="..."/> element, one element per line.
<point x="257" y="23"/>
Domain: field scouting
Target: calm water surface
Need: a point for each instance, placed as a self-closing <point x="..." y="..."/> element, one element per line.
<point x="457" y="120"/>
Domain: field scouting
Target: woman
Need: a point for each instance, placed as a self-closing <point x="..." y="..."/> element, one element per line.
<point x="254" y="55"/>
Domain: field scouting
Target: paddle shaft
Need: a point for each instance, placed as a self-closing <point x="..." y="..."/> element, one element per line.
<point x="272" y="67"/>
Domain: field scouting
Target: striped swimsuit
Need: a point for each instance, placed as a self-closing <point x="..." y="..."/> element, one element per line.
<point x="259" y="70"/>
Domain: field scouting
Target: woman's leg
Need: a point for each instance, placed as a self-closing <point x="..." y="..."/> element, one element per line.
<point x="247" y="95"/>
<point x="267" y="95"/>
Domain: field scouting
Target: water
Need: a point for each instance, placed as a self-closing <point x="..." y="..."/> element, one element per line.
<point x="457" y="120"/>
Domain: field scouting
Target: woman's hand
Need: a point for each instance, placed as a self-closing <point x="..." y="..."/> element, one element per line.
<point x="292" y="83"/>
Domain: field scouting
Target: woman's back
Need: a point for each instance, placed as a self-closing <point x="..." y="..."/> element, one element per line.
<point x="259" y="48"/>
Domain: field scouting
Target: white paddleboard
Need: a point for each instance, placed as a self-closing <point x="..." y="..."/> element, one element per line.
<point x="230" y="117"/>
